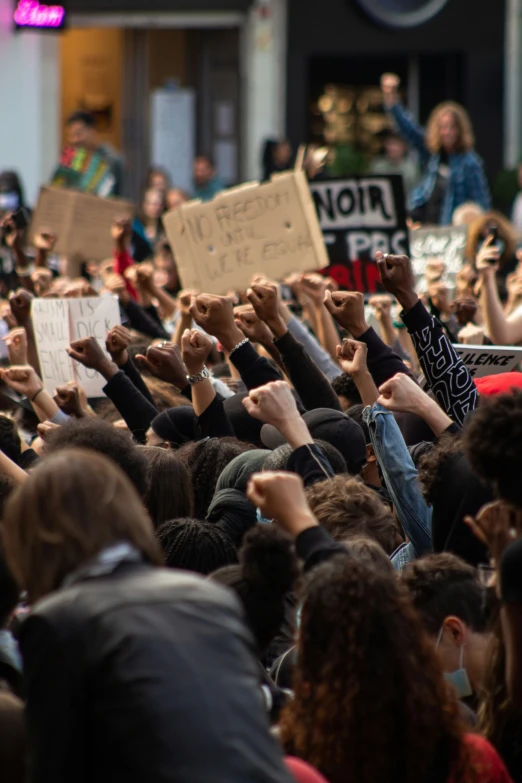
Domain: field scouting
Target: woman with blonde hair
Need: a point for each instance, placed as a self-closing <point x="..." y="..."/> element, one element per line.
<point x="133" y="673"/>
<point x="453" y="172"/>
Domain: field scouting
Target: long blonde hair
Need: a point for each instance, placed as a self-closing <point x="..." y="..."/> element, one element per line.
<point x="466" y="140"/>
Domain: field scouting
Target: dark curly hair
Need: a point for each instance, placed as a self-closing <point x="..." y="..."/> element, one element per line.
<point x="266" y="573"/>
<point x="370" y="704"/>
<point x="441" y="585"/>
<point x="10" y="442"/>
<point x="344" y="386"/>
<point x="206" y="460"/>
<point x="194" y="545"/>
<point x="432" y="463"/>
<point x="493" y="444"/>
<point x="98" y="435"/>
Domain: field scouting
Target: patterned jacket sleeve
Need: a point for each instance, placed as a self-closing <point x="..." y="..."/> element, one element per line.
<point x="444" y="370"/>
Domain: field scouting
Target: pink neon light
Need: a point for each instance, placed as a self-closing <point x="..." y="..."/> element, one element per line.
<point x="29" y="13"/>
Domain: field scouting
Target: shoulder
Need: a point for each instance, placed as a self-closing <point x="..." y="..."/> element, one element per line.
<point x="471" y="160"/>
<point x="486" y="760"/>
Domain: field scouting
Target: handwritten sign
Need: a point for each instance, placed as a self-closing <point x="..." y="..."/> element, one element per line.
<point x="358" y="217"/>
<point x="81" y="222"/>
<point x="484" y="360"/>
<point x="57" y="322"/>
<point x="447" y="244"/>
<point x="270" y="228"/>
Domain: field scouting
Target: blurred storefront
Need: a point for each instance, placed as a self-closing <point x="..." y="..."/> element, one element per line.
<point x="337" y="51"/>
<point x="166" y="79"/>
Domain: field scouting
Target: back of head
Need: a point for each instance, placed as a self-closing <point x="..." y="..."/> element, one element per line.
<point x="442" y="585"/>
<point x="103" y="438"/>
<point x="85" y="117"/>
<point x="345" y="388"/>
<point x="10" y="442"/>
<point x="266" y="573"/>
<point x="13" y="750"/>
<point x="355" y="709"/>
<point x="206" y="460"/>
<point x="278" y="459"/>
<point x="455" y="491"/>
<point x="194" y="545"/>
<point x="71" y="507"/>
<point x="170" y="491"/>
<point x="346" y="507"/>
<point x="493" y="444"/>
<point x="366" y="550"/>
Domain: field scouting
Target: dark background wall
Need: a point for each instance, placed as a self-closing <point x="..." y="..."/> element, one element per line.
<point x="460" y="53"/>
<point x="119" y="6"/>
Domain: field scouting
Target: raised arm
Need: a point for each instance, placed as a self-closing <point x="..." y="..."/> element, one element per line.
<point x="501" y="329"/>
<point x="444" y="370"/>
<point x="412" y="132"/>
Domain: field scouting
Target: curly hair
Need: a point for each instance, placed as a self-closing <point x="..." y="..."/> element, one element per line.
<point x="194" y="545"/>
<point x="432" y="462"/>
<point x="100" y="436"/>
<point x="206" y="460"/>
<point x="466" y="140"/>
<point x="441" y="585"/>
<point x="493" y="444"/>
<point x="375" y="708"/>
<point x="344" y="386"/>
<point x="346" y="507"/>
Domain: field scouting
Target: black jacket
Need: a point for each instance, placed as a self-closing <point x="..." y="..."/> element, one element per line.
<point x="144" y="675"/>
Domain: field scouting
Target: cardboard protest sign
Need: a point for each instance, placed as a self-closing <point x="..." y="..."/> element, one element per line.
<point x="271" y="229"/>
<point x="358" y="217"/>
<point x="57" y="322"/>
<point x="81" y="222"/>
<point x="484" y="360"/>
<point x="447" y="244"/>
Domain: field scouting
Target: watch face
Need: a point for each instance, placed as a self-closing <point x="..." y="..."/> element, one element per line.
<point x="402" y="13"/>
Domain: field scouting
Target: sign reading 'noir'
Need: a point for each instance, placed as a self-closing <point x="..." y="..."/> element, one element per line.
<point x="358" y="217"/>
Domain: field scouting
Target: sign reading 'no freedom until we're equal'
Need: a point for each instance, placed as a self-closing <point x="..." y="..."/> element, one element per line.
<point x="271" y="229"/>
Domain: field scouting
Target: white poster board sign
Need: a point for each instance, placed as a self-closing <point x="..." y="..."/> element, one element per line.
<point x="57" y="323"/>
<point x="173" y="134"/>
<point x="482" y="360"/>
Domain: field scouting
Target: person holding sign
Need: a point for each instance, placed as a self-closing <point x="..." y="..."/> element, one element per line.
<point x="453" y="172"/>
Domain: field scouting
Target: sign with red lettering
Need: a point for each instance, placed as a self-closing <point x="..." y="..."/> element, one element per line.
<point x="31" y="15"/>
<point x="482" y="360"/>
<point x="358" y="217"/>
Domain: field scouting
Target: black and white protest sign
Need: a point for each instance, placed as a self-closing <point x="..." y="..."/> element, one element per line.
<point x="57" y="322"/>
<point x="482" y="360"/>
<point x="444" y="243"/>
<point x="358" y="217"/>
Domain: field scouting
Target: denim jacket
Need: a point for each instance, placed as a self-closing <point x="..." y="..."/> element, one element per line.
<point x="467" y="181"/>
<point x="400" y="476"/>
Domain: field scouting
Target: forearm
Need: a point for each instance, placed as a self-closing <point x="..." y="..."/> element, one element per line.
<point x="312" y="347"/>
<point x="327" y="332"/>
<point x="366" y="387"/>
<point x="132" y="372"/>
<point x="11" y="470"/>
<point x="203" y="394"/>
<point x="32" y="352"/>
<point x="388" y="332"/>
<point x="434" y="416"/>
<point x="213" y="421"/>
<point x="383" y="363"/>
<point x="498" y="328"/>
<point x="44" y="406"/>
<point x="167" y="303"/>
<point x="184" y="322"/>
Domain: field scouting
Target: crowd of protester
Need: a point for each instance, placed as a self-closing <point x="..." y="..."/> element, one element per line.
<point x="285" y="545"/>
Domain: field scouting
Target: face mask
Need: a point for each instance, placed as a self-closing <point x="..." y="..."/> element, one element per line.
<point x="9" y="202"/>
<point x="261" y="519"/>
<point x="458" y="679"/>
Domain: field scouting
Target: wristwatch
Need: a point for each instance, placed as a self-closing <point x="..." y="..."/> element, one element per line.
<point x="202" y="376"/>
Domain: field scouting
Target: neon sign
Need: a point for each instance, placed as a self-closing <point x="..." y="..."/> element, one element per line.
<point x="32" y="14"/>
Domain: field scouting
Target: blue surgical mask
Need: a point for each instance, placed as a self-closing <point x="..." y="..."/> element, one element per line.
<point x="261" y="519"/>
<point x="458" y="679"/>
